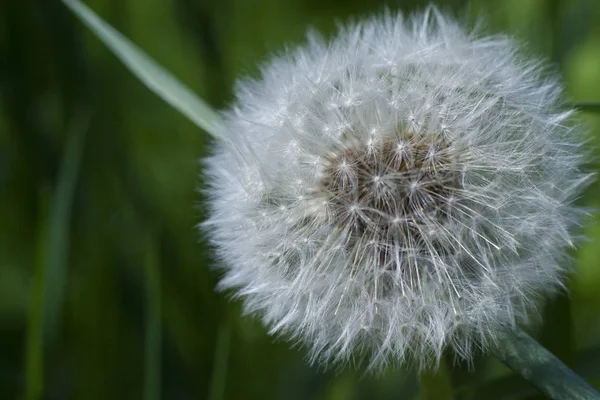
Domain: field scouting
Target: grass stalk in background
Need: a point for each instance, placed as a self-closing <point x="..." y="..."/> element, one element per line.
<point x="34" y="357"/>
<point x="154" y="76"/>
<point x="152" y="371"/>
<point x="219" y="371"/>
<point x="50" y="272"/>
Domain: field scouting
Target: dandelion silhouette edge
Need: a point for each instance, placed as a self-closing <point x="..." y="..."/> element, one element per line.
<point x="432" y="31"/>
<point x="401" y="189"/>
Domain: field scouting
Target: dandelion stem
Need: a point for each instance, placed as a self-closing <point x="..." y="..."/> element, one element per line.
<point x="436" y="384"/>
<point x="532" y="361"/>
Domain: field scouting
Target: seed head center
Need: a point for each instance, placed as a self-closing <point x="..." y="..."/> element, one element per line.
<point x="384" y="188"/>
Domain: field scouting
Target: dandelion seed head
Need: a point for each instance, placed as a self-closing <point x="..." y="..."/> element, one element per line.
<point x="402" y="189"/>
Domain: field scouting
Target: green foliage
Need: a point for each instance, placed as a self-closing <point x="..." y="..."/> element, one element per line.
<point x="103" y="278"/>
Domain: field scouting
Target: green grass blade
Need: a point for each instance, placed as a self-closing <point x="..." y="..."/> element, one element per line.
<point x="50" y="274"/>
<point x="152" y="372"/>
<point x="219" y="372"/>
<point x="55" y="273"/>
<point x="34" y="347"/>
<point x="155" y="77"/>
<point x="528" y="358"/>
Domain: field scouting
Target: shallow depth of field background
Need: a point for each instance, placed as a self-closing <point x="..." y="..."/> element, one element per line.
<point x="128" y="286"/>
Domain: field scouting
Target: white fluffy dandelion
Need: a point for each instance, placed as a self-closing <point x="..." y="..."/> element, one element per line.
<point x="402" y="189"/>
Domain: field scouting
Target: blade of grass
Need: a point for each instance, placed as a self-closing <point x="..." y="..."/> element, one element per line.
<point x="50" y="273"/>
<point x="55" y="273"/>
<point x="34" y="357"/>
<point x="219" y="372"/>
<point x="155" y="77"/>
<point x="152" y="372"/>
<point x="528" y="358"/>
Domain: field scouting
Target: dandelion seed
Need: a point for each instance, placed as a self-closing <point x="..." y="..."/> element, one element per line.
<point x="404" y="188"/>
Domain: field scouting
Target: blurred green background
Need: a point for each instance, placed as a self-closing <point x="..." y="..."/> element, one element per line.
<point x="106" y="290"/>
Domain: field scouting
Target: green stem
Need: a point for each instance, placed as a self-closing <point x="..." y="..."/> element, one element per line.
<point x="219" y="373"/>
<point x="34" y="352"/>
<point x="436" y="384"/>
<point x="152" y="378"/>
<point x="50" y="272"/>
<point x="528" y="358"/>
